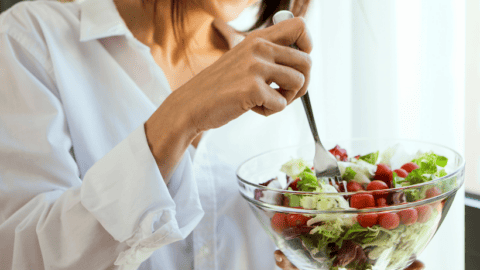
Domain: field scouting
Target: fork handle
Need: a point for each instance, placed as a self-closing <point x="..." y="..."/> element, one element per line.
<point x="311" y="120"/>
<point x="285" y="15"/>
<point x="308" y="110"/>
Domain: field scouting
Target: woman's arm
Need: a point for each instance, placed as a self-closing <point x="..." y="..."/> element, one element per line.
<point x="238" y="82"/>
<point x="119" y="212"/>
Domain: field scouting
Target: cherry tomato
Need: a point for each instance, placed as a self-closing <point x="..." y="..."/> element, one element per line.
<point x="279" y="222"/>
<point x="384" y="173"/>
<point x="339" y="153"/>
<point x="377" y="185"/>
<point x="408" y="216"/>
<point x="432" y="192"/>
<point x="410" y="166"/>
<point x="353" y="186"/>
<point x="295" y="220"/>
<point x="424" y="213"/>
<point x="388" y="221"/>
<point x="401" y="173"/>
<point x="361" y="201"/>
<point x="381" y="202"/>
<point x="367" y="220"/>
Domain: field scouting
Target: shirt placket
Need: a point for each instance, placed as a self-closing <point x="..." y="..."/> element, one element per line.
<point x="204" y="235"/>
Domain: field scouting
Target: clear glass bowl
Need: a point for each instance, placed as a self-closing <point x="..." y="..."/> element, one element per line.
<point x="323" y="243"/>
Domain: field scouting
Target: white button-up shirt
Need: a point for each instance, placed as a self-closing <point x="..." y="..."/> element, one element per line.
<point x="79" y="187"/>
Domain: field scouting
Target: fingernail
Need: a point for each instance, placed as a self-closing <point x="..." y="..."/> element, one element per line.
<point x="278" y="258"/>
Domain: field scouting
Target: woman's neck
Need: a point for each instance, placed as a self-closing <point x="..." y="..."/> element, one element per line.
<point x="157" y="31"/>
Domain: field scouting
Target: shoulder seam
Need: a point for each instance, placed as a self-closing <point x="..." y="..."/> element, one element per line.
<point x="33" y="50"/>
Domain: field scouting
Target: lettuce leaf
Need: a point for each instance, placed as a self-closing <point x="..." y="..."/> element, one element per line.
<point x="418" y="176"/>
<point x="429" y="161"/>
<point x="325" y="201"/>
<point x="440" y="173"/>
<point x="370" y="158"/>
<point x="349" y="174"/>
<point x="330" y="232"/>
<point x="294" y="167"/>
<point x="308" y="181"/>
<point x="412" y="195"/>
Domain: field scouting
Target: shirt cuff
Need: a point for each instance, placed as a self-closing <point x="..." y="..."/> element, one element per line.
<point x="127" y="194"/>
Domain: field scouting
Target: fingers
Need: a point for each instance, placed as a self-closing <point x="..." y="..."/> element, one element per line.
<point x="271" y="60"/>
<point x="289" y="80"/>
<point x="283" y="262"/>
<point x="289" y="68"/>
<point x="292" y="31"/>
<point x="416" y="265"/>
<point x="268" y="101"/>
<point x="298" y="60"/>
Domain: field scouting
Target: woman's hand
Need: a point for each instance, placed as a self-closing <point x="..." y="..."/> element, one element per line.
<point x="240" y="80"/>
<point x="285" y="264"/>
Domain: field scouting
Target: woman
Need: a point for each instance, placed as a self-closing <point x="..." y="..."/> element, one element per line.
<point x="103" y="106"/>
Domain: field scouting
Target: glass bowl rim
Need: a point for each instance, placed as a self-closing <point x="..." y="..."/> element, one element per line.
<point x="283" y="191"/>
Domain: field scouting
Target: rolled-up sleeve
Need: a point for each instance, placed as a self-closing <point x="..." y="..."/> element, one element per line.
<point x="127" y="195"/>
<point x="51" y="218"/>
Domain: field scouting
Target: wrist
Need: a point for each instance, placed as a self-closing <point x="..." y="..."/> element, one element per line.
<point x="169" y="132"/>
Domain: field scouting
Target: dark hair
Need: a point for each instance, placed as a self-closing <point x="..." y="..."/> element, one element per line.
<point x="269" y="7"/>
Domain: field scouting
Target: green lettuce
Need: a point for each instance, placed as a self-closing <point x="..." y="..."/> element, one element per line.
<point x="418" y="176"/>
<point x="440" y="173"/>
<point x="294" y="167"/>
<point x="349" y="174"/>
<point x="428" y="168"/>
<point x="370" y="158"/>
<point x="308" y="181"/>
<point x="429" y="161"/>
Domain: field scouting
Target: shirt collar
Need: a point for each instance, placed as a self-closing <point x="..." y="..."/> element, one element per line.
<point x="100" y="19"/>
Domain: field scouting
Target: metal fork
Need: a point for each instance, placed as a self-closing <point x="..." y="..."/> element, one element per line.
<point x="324" y="162"/>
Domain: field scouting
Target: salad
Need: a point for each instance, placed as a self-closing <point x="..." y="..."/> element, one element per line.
<point x="370" y="240"/>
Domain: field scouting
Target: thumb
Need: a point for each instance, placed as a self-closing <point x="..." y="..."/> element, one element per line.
<point x="283" y="262"/>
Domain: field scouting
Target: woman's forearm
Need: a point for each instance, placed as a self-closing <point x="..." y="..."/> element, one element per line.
<point x="169" y="132"/>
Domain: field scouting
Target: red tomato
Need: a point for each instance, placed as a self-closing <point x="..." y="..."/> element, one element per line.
<point x="401" y="173"/>
<point x="377" y="185"/>
<point x="353" y="186"/>
<point x="367" y="220"/>
<point x="339" y="153"/>
<point x="279" y="222"/>
<point x="361" y="201"/>
<point x="424" y="213"/>
<point x="295" y="220"/>
<point x="410" y="166"/>
<point x="432" y="192"/>
<point x="384" y="173"/>
<point x="381" y="202"/>
<point x="388" y="221"/>
<point x="408" y="216"/>
<point x="293" y="184"/>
